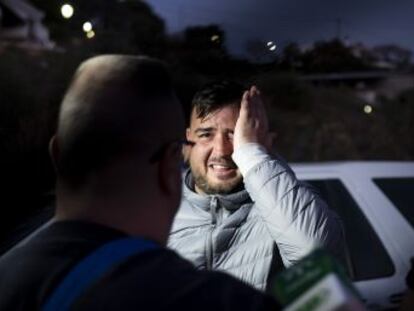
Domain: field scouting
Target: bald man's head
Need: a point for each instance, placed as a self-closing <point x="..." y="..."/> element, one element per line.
<point x="115" y="106"/>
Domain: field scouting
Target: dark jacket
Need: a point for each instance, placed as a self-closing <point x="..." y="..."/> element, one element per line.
<point x="153" y="280"/>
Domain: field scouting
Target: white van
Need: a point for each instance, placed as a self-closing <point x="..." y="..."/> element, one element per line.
<point x="376" y="203"/>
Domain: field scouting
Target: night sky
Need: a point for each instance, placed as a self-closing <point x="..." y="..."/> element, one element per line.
<point x="371" y="22"/>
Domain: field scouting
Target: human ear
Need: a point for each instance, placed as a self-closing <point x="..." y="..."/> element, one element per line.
<point x="188" y="133"/>
<point x="187" y="148"/>
<point x="169" y="173"/>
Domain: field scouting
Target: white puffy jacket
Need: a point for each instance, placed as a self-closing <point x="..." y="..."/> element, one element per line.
<point x="236" y="233"/>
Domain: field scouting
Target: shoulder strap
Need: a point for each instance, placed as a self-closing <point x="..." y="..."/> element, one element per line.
<point x="92" y="268"/>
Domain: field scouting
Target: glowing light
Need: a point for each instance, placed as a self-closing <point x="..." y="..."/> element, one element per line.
<point x="271" y="46"/>
<point x="367" y="109"/>
<point x="90" y="34"/>
<point x="67" y="11"/>
<point x="215" y="38"/>
<point x="87" y="26"/>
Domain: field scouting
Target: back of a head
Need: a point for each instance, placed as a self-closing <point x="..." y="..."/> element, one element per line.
<point x="116" y="105"/>
<point x="216" y="95"/>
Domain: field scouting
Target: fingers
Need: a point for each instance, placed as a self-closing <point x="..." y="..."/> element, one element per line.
<point x="251" y="126"/>
<point x="245" y="102"/>
<point x="247" y="109"/>
<point x="257" y="107"/>
<point x="253" y="101"/>
<point x="248" y="104"/>
<point x="254" y="91"/>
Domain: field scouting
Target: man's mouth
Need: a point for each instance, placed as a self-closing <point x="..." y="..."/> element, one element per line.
<point x="220" y="167"/>
<point x="222" y="170"/>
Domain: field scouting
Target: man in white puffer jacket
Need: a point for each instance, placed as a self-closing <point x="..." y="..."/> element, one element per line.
<point x="243" y="211"/>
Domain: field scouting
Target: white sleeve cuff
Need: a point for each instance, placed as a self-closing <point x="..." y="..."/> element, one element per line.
<point x="249" y="155"/>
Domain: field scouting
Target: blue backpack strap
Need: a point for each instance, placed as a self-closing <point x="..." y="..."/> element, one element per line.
<point x="92" y="268"/>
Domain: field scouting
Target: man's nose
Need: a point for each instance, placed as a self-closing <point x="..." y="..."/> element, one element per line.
<point x="223" y="145"/>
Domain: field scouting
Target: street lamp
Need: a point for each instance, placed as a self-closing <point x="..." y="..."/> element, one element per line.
<point x="67" y="11"/>
<point x="87" y="26"/>
<point x="90" y="34"/>
<point x="215" y="38"/>
<point x="367" y="109"/>
<point x="271" y="45"/>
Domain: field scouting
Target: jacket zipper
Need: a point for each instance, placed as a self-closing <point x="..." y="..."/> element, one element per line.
<point x="209" y="248"/>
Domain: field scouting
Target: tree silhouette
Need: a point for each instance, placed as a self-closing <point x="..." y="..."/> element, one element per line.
<point x="332" y="56"/>
<point x="127" y="26"/>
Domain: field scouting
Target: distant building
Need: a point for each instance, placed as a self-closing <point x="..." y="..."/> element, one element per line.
<point x="386" y="56"/>
<point x="368" y="86"/>
<point x="21" y="25"/>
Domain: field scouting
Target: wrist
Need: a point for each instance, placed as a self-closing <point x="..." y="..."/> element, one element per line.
<point x="245" y="141"/>
<point x="248" y="155"/>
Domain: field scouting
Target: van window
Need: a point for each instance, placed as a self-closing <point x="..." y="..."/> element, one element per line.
<point x="368" y="257"/>
<point x="400" y="191"/>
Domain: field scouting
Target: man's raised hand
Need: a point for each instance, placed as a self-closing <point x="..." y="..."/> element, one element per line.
<point x="252" y="125"/>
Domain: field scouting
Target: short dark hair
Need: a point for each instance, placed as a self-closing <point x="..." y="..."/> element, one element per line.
<point x="215" y="95"/>
<point x="101" y="114"/>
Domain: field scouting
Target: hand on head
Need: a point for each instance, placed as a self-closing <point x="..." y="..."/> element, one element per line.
<point x="252" y="125"/>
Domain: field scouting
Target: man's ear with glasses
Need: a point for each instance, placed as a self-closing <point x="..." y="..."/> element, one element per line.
<point x="160" y="152"/>
<point x="169" y="172"/>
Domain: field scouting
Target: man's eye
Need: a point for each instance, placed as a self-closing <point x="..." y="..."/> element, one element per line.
<point x="204" y="135"/>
